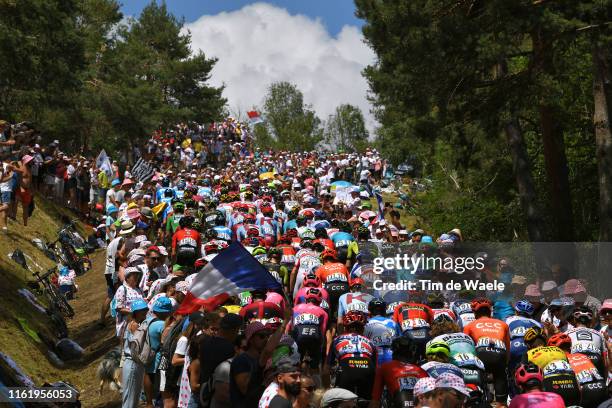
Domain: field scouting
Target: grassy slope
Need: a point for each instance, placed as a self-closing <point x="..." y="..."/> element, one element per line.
<point x="28" y="354"/>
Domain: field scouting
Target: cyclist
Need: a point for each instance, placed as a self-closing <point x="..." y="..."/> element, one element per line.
<point x="223" y="232"/>
<point x="306" y="260"/>
<point x="354" y="300"/>
<point x="414" y="321"/>
<point x="309" y="326"/>
<point x="398" y="376"/>
<point x="463" y="310"/>
<point x="588" y="341"/>
<point x="186" y="242"/>
<point x="334" y="276"/>
<point x="492" y="338"/>
<point x="278" y="270"/>
<point x="355" y="355"/>
<point x="381" y="330"/>
<point x="518" y="325"/>
<point x="259" y="308"/>
<point x="592" y="384"/>
<point x="528" y="378"/>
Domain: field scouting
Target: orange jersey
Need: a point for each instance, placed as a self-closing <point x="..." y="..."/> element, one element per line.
<point x="333" y="272"/>
<point x="488" y="328"/>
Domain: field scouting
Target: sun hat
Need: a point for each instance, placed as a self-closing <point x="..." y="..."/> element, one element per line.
<point x="448" y="380"/>
<point x="547" y="286"/>
<point x="254" y="328"/>
<point x="424" y="385"/>
<point x="532" y="291"/>
<point x="127" y="228"/>
<point x="182" y="287"/>
<point x="138" y="304"/>
<point x="572" y="287"/>
<point x="26" y="159"/>
<point x="607" y="305"/>
<point x="130" y="270"/>
<point x="162" y="305"/>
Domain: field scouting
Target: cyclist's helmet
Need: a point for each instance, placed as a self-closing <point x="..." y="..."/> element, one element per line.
<point x="524" y="307"/>
<point x="583" y="314"/>
<point x="532" y="334"/>
<point x="354" y="317"/>
<point x="363" y="232"/>
<point x="196" y="224"/>
<point x="311" y="280"/>
<point x="528" y="374"/>
<point x="435" y="300"/>
<point x="313" y="295"/>
<point x="259" y="250"/>
<point x="210" y="233"/>
<point x="403" y="346"/>
<point x="345" y="226"/>
<point x="186" y="221"/>
<point x="220" y="220"/>
<point x="481" y="303"/>
<point x="211" y="248"/>
<point x="181" y="184"/>
<point x="329" y="254"/>
<point x="253" y="231"/>
<point x="306" y="244"/>
<point x="275" y="253"/>
<point x="560" y="340"/>
<point x="178" y="206"/>
<point x="357" y="282"/>
<point x="377" y="307"/>
<point x="438" y="347"/>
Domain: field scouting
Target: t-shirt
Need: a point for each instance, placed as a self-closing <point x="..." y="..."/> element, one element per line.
<point x="155" y="332"/>
<point x="268" y="394"/>
<point x="244" y="363"/>
<point x="279" y="402"/>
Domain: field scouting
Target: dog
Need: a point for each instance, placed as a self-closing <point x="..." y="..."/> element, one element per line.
<point x="109" y="370"/>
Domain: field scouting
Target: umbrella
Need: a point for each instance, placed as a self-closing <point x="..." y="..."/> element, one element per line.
<point x="340" y="183"/>
<point x="365" y="215"/>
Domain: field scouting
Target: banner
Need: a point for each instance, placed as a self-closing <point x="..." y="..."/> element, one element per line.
<point x="104" y="163"/>
<point x="254" y="117"/>
<point x="143" y="171"/>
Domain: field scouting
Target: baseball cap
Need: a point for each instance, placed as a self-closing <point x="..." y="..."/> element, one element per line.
<point x="424" y="385"/>
<point x="448" y="380"/>
<point x="182" y="287"/>
<point x="196" y="317"/>
<point x="286" y="365"/>
<point x="336" y="394"/>
<point x="162" y="305"/>
<point x="138" y="304"/>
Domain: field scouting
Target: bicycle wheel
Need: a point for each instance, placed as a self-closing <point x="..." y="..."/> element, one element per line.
<point x="60" y="302"/>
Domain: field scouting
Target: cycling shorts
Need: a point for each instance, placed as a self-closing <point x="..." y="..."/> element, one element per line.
<point x="598" y="362"/>
<point x="335" y="290"/>
<point x="356" y="374"/>
<point x="565" y="385"/>
<point x="594" y="393"/>
<point x="402" y="399"/>
<point x="494" y="361"/>
<point x="186" y="257"/>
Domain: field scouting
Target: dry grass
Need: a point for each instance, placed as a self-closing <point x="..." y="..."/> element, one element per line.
<point x="30" y="355"/>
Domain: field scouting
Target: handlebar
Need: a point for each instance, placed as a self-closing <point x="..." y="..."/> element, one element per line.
<point x="40" y="277"/>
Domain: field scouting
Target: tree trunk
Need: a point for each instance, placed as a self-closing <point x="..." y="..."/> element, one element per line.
<point x="555" y="159"/>
<point x="524" y="180"/>
<point x="603" y="141"/>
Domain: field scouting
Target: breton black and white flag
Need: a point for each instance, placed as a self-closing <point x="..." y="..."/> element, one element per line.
<point x="143" y="171"/>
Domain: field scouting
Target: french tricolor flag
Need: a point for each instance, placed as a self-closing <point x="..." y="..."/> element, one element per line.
<point x="255" y="117"/>
<point x="233" y="271"/>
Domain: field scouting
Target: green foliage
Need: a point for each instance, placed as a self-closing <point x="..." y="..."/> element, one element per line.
<point x="81" y="74"/>
<point x="345" y="130"/>
<point x="290" y="124"/>
<point x="448" y="78"/>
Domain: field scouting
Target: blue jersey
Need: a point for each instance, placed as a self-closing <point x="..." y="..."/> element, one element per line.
<point x="517" y="326"/>
<point x="289" y="224"/>
<point x="382" y="330"/>
<point x="342" y="239"/>
<point x="204" y="191"/>
<point x="223" y="233"/>
<point x="353" y="301"/>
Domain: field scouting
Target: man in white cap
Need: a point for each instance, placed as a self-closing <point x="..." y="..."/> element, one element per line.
<point x="339" y="398"/>
<point x="451" y="391"/>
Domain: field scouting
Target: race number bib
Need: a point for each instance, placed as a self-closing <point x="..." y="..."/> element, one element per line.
<point x="406" y="383"/>
<point x="336" y="277"/>
<point x="357" y="307"/>
<point x="489" y="342"/>
<point x="586" y="348"/>
<point x="467" y="359"/>
<point x="306" y="318"/>
<point x="518" y="332"/>
<point x="556" y="368"/>
<point x="411" y="324"/>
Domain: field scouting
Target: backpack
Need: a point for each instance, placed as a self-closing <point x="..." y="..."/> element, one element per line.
<point x="207" y="390"/>
<point x="167" y="350"/>
<point x="140" y="344"/>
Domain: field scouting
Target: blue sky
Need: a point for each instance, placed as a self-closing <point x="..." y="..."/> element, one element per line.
<point x="334" y="14"/>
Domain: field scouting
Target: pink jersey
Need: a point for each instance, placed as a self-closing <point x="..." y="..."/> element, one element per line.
<point x="276" y="298"/>
<point x="540" y="399"/>
<point x="309" y="314"/>
<point x="300" y="297"/>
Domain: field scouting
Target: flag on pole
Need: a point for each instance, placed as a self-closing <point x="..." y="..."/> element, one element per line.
<point x="233" y="271"/>
<point x="143" y="171"/>
<point x="381" y="206"/>
<point x="254" y="117"/>
<point x="103" y="163"/>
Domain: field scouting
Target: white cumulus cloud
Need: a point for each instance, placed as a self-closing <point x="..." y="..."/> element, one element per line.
<point x="261" y="44"/>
